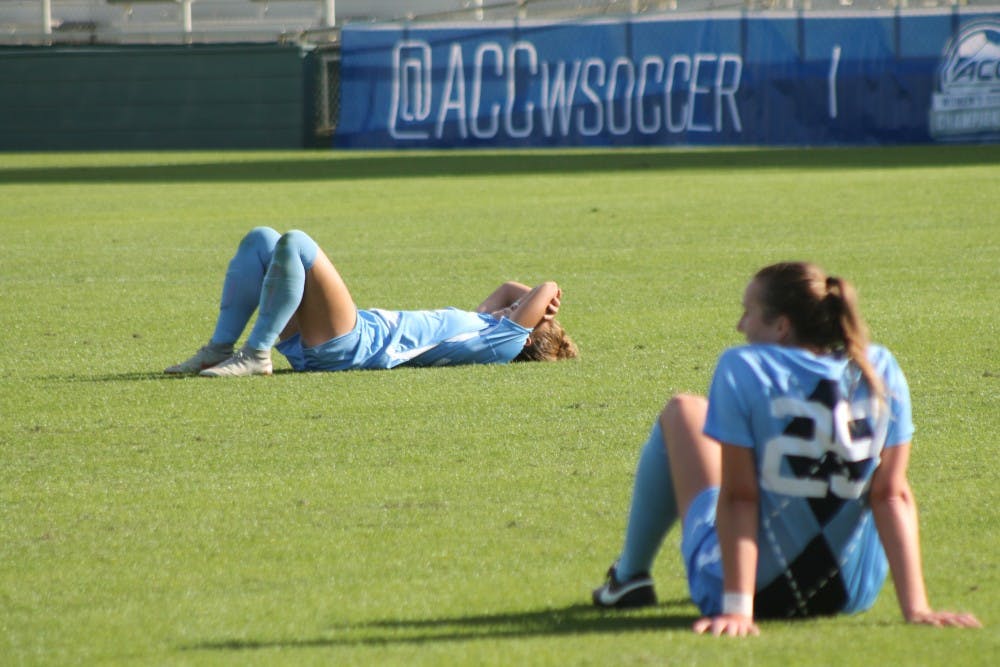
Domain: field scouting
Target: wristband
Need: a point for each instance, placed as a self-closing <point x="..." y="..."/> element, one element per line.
<point x="739" y="604"/>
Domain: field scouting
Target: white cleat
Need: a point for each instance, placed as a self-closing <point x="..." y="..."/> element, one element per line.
<point x="206" y="357"/>
<point x="244" y="362"/>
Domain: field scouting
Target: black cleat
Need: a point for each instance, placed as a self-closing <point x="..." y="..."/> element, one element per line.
<point x="636" y="592"/>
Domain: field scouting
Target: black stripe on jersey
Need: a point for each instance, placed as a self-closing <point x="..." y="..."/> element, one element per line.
<point x="801" y="427"/>
<point x="860" y="428"/>
<point x="822" y="469"/>
<point x="821" y="589"/>
<point x="827" y="393"/>
<point x="825" y="508"/>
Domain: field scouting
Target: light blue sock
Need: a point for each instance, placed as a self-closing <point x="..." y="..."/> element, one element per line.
<point x="654" y="508"/>
<point x="241" y="289"/>
<point x="283" y="286"/>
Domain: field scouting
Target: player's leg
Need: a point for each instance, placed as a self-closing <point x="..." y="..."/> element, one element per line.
<point x="697" y="471"/>
<point x="327" y="308"/>
<point x="244" y="282"/>
<point x="280" y="295"/>
<point x="652" y="512"/>
<point x="677" y="463"/>
<point x="240" y="294"/>
<point x="695" y="459"/>
<point x="301" y="290"/>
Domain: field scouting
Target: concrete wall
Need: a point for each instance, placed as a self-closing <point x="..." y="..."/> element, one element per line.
<point x="154" y="97"/>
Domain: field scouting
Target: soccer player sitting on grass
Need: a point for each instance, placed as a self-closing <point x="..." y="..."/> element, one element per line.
<point x="790" y="479"/>
<point x="304" y="303"/>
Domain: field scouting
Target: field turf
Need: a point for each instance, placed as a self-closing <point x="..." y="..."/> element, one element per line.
<point x="457" y="515"/>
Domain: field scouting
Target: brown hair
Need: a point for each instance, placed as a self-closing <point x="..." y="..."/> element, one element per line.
<point x="822" y="309"/>
<point x="549" y="342"/>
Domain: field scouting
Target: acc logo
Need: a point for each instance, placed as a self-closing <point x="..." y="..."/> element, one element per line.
<point x="967" y="103"/>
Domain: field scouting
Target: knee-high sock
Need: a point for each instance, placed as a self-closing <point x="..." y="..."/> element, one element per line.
<point x="653" y="511"/>
<point x="284" y="285"/>
<point x="241" y="289"/>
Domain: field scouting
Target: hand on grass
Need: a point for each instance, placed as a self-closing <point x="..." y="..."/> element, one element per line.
<point x="944" y="619"/>
<point x="731" y="625"/>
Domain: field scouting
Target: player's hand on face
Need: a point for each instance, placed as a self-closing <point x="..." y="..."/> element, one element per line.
<point x="730" y="625"/>
<point x="943" y="619"/>
<point x="553" y="307"/>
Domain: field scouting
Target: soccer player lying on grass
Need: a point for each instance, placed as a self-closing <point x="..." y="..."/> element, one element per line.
<point x="790" y="478"/>
<point x="304" y="303"/>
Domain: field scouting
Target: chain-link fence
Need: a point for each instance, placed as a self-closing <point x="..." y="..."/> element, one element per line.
<point x="326" y="95"/>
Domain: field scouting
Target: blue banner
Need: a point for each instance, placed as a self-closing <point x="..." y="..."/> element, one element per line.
<point x="792" y="79"/>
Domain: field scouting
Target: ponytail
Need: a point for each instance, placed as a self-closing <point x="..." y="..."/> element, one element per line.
<point x="841" y="299"/>
<point x="823" y="311"/>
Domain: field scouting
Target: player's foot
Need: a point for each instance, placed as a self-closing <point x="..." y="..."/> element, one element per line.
<point x="636" y="592"/>
<point x="208" y="356"/>
<point x="244" y="361"/>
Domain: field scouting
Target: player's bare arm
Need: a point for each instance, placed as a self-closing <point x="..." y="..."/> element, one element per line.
<point x="539" y="305"/>
<point x="503" y="297"/>
<point x="737" y="526"/>
<point x="895" y="511"/>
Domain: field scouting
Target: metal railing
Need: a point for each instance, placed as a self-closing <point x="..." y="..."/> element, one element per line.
<point x="189" y="21"/>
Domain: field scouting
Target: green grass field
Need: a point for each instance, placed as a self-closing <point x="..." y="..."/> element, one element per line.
<point x="457" y="515"/>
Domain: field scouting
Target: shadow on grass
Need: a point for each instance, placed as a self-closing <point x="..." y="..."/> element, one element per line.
<point x="573" y="620"/>
<point x="351" y="166"/>
<point x="146" y="376"/>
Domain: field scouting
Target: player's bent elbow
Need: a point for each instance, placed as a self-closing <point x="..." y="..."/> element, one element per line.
<point x="549" y="287"/>
<point x="890" y="495"/>
<point x="889" y="486"/>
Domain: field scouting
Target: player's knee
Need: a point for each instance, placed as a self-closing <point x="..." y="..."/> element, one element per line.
<point x="261" y="235"/>
<point x="681" y="409"/>
<point x="294" y="237"/>
<point x="297" y="242"/>
<point x="260" y="239"/>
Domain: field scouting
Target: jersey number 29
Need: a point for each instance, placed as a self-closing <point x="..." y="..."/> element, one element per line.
<point x="830" y="446"/>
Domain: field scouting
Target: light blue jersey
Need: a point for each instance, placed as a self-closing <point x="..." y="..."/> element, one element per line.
<point x="817" y="436"/>
<point x="389" y="338"/>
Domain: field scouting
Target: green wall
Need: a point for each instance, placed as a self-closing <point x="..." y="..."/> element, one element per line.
<point x="152" y="97"/>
